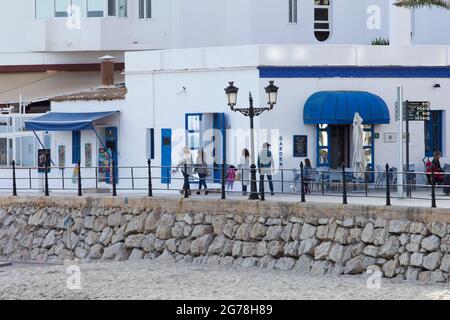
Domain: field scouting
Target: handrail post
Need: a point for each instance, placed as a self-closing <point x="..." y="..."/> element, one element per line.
<point x="62" y="179"/>
<point x="222" y="182"/>
<point x="80" y="189"/>
<point x="388" y="186"/>
<point x="261" y="187"/>
<point x="132" y="178"/>
<point x="323" y="183"/>
<point x="344" y="185"/>
<point x="14" y="178"/>
<point x="113" y="175"/>
<point x="185" y="182"/>
<point x="150" y="186"/>
<point x="46" y="192"/>
<point x="366" y="187"/>
<point x="433" y="189"/>
<point x="302" y="183"/>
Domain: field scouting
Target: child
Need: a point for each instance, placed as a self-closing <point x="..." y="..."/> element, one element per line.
<point x="231" y="176"/>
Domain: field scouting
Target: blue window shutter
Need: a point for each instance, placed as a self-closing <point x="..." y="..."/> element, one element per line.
<point x="76" y="146"/>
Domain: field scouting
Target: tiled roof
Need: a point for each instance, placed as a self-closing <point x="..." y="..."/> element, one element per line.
<point x="97" y="94"/>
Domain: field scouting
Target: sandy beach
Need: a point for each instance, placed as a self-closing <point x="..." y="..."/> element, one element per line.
<point x="148" y="279"/>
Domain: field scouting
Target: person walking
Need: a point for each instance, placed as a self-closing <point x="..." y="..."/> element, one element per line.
<point x="265" y="165"/>
<point x="187" y="168"/>
<point x="201" y="168"/>
<point x="436" y="167"/>
<point x="244" y="167"/>
<point x="308" y="174"/>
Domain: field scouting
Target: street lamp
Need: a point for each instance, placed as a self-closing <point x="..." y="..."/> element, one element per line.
<point x="251" y="112"/>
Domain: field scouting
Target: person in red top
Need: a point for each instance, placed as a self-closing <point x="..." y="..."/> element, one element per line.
<point x="231" y="177"/>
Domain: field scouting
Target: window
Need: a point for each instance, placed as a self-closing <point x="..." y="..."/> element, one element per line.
<point x="95" y="8"/>
<point x="193" y="128"/>
<point x="433" y="133"/>
<point x="44" y="9"/>
<point x="117" y="8"/>
<point x="150" y="143"/>
<point x="322" y="20"/>
<point x="61" y="7"/>
<point x="145" y="9"/>
<point x="323" y="145"/>
<point x="76" y="146"/>
<point x="292" y="11"/>
<point x="3" y="151"/>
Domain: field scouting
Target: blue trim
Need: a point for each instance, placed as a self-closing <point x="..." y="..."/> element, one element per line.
<point x="339" y="107"/>
<point x="354" y="72"/>
<point x="166" y="155"/>
<point x="219" y="123"/>
<point x="76" y="146"/>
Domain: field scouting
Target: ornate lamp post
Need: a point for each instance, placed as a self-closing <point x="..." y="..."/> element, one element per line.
<point x="251" y="112"/>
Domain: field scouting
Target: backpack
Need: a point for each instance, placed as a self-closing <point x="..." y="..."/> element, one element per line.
<point x="438" y="175"/>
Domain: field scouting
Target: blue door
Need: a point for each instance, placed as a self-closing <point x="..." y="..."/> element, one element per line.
<point x="111" y="144"/>
<point x="219" y="152"/>
<point x="166" y="155"/>
<point x="433" y="134"/>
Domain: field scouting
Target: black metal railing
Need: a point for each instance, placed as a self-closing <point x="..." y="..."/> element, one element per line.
<point x="341" y="182"/>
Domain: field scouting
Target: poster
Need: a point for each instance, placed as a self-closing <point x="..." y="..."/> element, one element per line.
<point x="300" y="146"/>
<point x="61" y="156"/>
<point x="43" y="159"/>
<point x="88" y="155"/>
<point x="104" y="165"/>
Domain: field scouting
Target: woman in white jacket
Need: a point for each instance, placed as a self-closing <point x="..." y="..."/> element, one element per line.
<point x="244" y="170"/>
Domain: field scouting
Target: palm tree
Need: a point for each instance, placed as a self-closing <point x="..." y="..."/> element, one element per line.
<point x="413" y="4"/>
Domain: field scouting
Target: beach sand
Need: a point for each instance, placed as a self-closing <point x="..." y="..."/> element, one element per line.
<point x="148" y="279"/>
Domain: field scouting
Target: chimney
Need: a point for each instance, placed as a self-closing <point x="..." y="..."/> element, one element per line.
<point x="107" y="70"/>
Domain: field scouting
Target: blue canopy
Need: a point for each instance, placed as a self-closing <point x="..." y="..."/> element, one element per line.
<point x="62" y="121"/>
<point x="339" y="107"/>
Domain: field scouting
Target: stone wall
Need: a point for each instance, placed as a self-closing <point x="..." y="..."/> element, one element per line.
<point x="406" y="243"/>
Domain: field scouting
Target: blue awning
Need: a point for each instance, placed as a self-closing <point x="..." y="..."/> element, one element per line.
<point x="339" y="107"/>
<point x="62" y="121"/>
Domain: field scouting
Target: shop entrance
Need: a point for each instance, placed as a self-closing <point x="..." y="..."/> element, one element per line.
<point x="339" y="146"/>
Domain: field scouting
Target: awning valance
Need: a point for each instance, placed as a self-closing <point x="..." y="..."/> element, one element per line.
<point x="339" y="107"/>
<point x="62" y="121"/>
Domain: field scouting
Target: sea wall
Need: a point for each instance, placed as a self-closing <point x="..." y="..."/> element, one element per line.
<point x="405" y="243"/>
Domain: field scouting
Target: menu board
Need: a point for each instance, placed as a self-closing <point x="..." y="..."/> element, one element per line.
<point x="300" y="146"/>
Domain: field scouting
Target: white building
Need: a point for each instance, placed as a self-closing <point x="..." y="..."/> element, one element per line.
<point x="176" y="98"/>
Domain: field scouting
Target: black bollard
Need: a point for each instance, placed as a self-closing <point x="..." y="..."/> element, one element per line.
<point x="388" y="186"/>
<point x="47" y="193"/>
<point x="433" y="189"/>
<point x="302" y="183"/>
<point x="14" y="178"/>
<point x="150" y="186"/>
<point x="222" y="182"/>
<point x="80" y="189"/>
<point x="261" y="187"/>
<point x="113" y="175"/>
<point x="344" y="185"/>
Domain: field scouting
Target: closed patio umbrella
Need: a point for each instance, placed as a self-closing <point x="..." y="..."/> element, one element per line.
<point x="359" y="159"/>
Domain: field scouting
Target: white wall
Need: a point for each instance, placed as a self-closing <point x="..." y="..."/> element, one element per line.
<point x="200" y="23"/>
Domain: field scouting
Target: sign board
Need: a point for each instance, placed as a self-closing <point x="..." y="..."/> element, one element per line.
<point x="414" y="111"/>
<point x="43" y="160"/>
<point x="300" y="146"/>
<point x="418" y="110"/>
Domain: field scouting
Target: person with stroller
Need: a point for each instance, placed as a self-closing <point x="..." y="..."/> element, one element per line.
<point x="434" y="169"/>
<point x="186" y="165"/>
